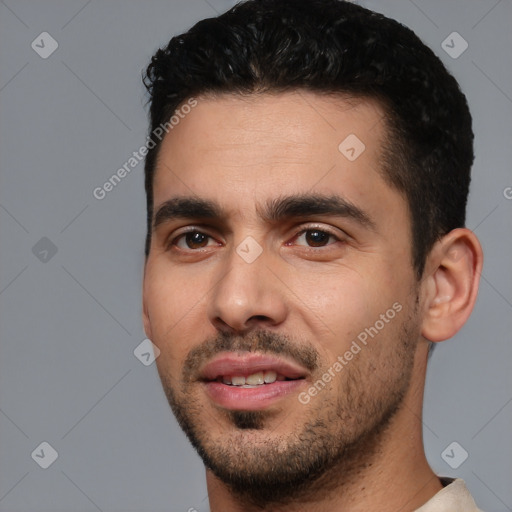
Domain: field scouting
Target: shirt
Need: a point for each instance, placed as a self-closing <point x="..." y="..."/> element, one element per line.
<point x="454" y="497"/>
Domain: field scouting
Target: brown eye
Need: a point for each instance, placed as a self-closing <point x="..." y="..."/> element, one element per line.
<point x="193" y="240"/>
<point x="315" y="238"/>
<point x="196" y="240"/>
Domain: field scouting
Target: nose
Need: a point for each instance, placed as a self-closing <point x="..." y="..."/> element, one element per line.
<point x="247" y="296"/>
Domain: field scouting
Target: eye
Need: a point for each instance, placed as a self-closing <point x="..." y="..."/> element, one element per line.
<point x="193" y="240"/>
<point x="315" y="238"/>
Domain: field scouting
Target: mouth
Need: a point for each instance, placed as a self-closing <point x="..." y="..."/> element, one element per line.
<point x="249" y="381"/>
<point x="254" y="380"/>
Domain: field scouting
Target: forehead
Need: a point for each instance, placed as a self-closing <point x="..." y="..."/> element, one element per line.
<point x="246" y="149"/>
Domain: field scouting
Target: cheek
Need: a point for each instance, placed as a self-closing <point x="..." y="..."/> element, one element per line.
<point x="339" y="306"/>
<point x="172" y="301"/>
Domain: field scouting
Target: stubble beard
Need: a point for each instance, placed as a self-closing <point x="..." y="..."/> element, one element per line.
<point x="341" y="436"/>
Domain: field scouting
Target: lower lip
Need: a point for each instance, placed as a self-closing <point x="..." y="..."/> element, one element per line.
<point x="251" y="399"/>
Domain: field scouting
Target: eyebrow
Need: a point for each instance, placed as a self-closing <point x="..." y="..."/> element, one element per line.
<point x="186" y="208"/>
<point x="279" y="209"/>
<point x="309" y="205"/>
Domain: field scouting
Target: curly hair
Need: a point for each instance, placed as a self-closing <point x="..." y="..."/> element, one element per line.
<point x="333" y="46"/>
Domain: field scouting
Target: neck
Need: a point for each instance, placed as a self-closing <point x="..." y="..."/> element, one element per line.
<point x="394" y="476"/>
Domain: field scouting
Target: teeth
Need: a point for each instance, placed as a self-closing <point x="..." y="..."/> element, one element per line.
<point x="270" y="377"/>
<point x="256" y="379"/>
<point x="238" y="381"/>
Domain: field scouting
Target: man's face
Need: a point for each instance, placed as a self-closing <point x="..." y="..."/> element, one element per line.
<point x="276" y="247"/>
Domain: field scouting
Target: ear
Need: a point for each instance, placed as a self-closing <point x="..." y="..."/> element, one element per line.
<point x="145" y="311"/>
<point x="450" y="283"/>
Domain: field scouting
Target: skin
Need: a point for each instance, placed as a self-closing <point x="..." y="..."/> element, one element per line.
<point x="241" y="153"/>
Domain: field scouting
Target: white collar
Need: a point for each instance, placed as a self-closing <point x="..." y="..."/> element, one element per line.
<point x="455" y="497"/>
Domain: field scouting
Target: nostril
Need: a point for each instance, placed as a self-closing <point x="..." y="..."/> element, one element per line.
<point x="259" y="318"/>
<point x="240" y="328"/>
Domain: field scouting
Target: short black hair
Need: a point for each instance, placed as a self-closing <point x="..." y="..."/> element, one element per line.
<point x="333" y="46"/>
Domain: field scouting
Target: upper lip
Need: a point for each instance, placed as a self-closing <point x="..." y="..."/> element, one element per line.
<point x="245" y="364"/>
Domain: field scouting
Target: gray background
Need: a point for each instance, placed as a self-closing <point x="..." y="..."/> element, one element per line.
<point x="70" y="321"/>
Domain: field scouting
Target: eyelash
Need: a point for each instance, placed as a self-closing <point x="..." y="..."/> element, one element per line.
<point x="173" y="242"/>
<point x="320" y="229"/>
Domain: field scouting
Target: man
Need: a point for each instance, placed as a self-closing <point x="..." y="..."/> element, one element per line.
<point x="306" y="246"/>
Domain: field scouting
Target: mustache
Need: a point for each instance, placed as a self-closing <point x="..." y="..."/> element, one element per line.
<point x="260" y="341"/>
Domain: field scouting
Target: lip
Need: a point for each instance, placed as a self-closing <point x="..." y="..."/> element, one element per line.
<point x="245" y="364"/>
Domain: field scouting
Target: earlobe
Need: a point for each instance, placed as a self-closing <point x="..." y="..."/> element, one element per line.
<point x="451" y="284"/>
